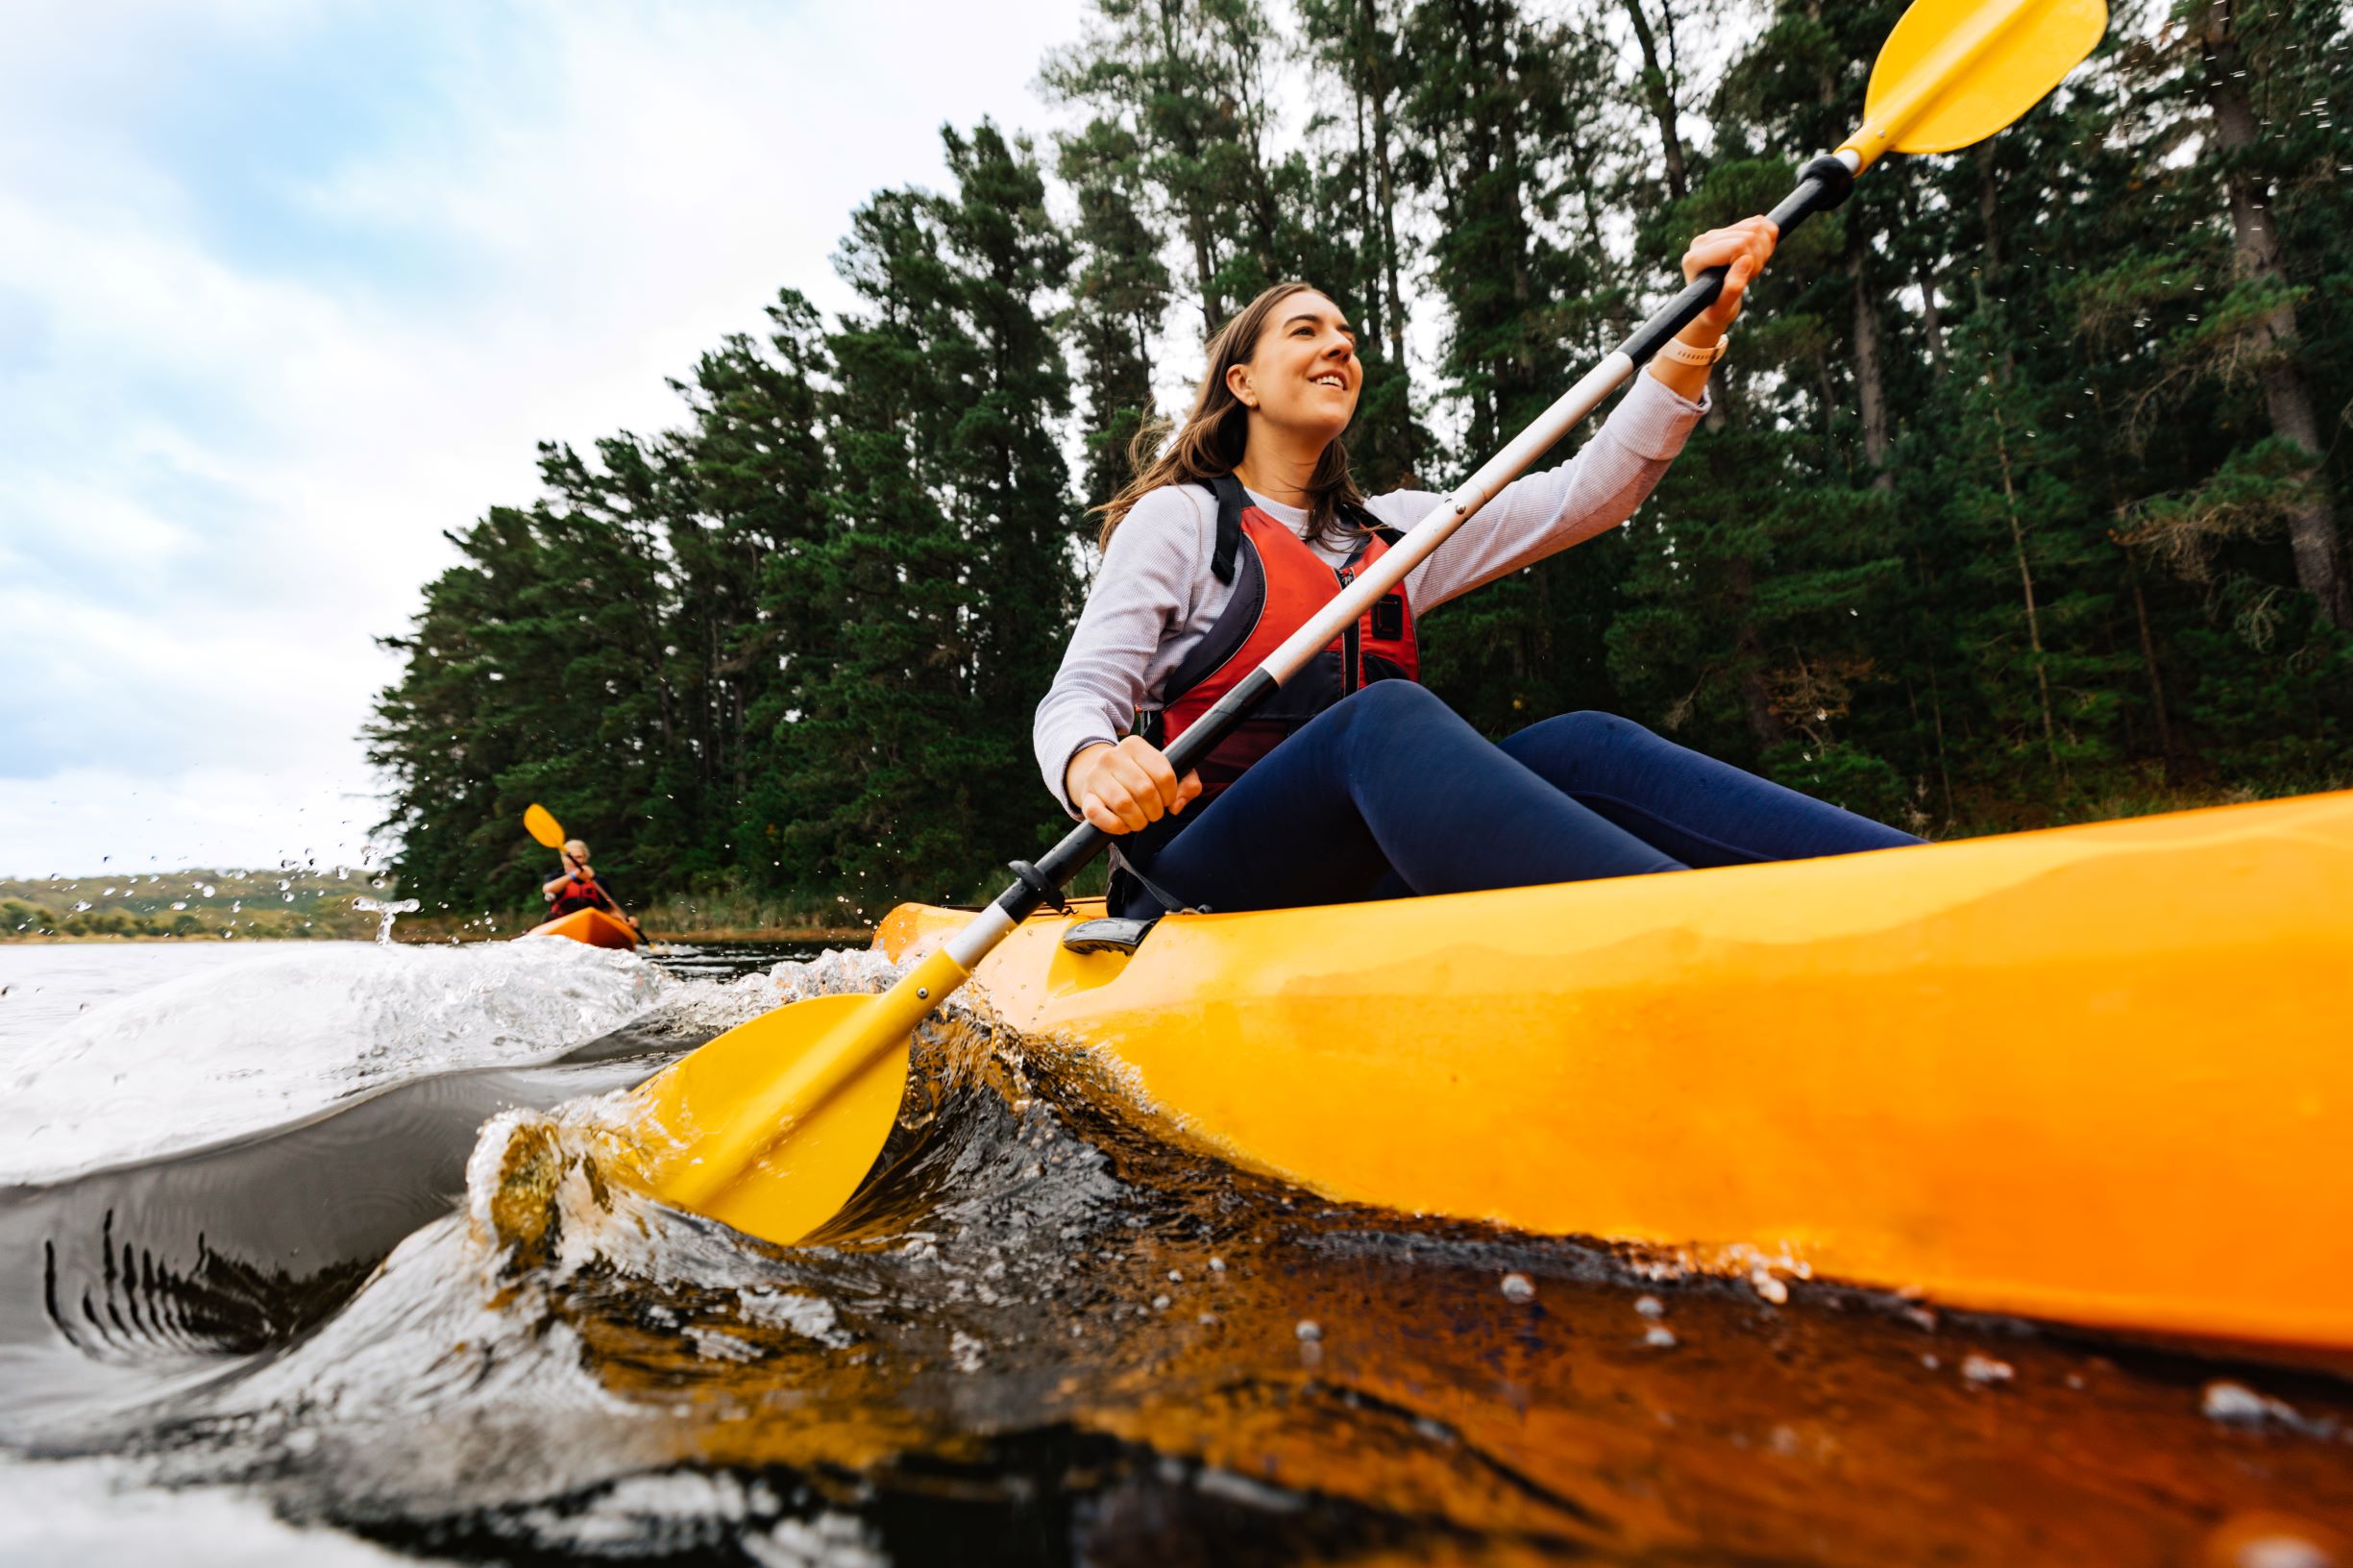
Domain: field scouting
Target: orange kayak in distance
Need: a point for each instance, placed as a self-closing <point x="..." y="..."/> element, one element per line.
<point x="592" y="926"/>
<point x="2101" y="1074"/>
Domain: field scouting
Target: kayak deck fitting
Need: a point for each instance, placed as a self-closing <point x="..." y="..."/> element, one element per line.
<point x="2100" y="1074"/>
<point x="592" y="926"/>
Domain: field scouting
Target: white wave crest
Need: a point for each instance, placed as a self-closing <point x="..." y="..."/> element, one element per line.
<point x="228" y="1051"/>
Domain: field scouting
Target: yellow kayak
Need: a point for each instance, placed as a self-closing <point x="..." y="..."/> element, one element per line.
<point x="2102" y="1075"/>
<point x="592" y="926"/>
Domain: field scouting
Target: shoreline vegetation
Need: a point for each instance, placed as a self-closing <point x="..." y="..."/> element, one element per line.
<point x="290" y="905"/>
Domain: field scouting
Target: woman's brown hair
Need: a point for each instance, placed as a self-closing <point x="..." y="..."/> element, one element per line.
<point x="1209" y="442"/>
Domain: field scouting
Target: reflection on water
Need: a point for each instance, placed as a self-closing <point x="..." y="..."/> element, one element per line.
<point x="428" y="1319"/>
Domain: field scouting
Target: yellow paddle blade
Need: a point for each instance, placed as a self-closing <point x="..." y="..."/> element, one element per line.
<point x="771" y="1126"/>
<point x="1955" y="71"/>
<point x="540" y="825"/>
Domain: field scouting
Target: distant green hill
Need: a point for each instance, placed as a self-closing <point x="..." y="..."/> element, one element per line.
<point x="276" y="904"/>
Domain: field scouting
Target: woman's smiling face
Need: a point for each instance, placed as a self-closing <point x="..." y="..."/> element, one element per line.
<point x="1304" y="373"/>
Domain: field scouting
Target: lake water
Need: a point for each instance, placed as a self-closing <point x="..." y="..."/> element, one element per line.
<point x="302" y="1259"/>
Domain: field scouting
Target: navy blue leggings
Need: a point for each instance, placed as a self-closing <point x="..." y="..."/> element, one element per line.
<point x="1391" y="792"/>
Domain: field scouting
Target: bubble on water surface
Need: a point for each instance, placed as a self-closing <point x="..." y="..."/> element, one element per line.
<point x="2267" y="1539"/>
<point x="2238" y="1404"/>
<point x="1985" y="1369"/>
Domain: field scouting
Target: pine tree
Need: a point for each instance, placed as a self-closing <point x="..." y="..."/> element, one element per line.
<point x="909" y="760"/>
<point x="1119" y="297"/>
<point x="1496" y="110"/>
<point x="1191" y="80"/>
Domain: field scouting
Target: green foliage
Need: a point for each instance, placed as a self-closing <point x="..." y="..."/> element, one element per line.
<point x="2004" y="512"/>
<point x="291" y="902"/>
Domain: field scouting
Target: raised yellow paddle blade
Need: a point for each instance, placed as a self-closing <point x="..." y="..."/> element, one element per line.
<point x="543" y="826"/>
<point x="1955" y="71"/>
<point x="771" y="1126"/>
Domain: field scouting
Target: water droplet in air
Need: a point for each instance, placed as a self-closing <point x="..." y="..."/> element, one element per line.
<point x="1310" y="1330"/>
<point x="1651" y="1306"/>
<point x="1519" y="1287"/>
<point x="1658" y="1336"/>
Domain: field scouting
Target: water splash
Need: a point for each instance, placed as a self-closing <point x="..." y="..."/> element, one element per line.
<point x="390" y="910"/>
<point x="283" y="1036"/>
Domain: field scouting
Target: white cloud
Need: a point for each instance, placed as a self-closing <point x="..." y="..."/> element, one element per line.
<point x="86" y="820"/>
<point x="230" y="450"/>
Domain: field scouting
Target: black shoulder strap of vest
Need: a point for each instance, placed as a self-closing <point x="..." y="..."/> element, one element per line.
<point x="1232" y="501"/>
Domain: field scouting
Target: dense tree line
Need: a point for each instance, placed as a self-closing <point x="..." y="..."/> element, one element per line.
<point x="2023" y="494"/>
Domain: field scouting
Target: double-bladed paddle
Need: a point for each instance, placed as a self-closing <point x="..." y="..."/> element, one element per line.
<point x="771" y="1126"/>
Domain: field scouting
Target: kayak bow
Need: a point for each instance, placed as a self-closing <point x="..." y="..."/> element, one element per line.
<point x="592" y="926"/>
<point x="2099" y="1074"/>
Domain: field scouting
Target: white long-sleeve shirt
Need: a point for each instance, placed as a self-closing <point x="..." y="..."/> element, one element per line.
<point x="1156" y="596"/>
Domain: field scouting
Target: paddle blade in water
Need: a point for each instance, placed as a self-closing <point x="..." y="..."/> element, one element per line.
<point x="771" y="1126"/>
<point x="540" y="824"/>
<point x="1955" y="71"/>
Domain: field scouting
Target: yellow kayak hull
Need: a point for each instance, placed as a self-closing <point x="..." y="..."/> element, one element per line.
<point x="592" y="926"/>
<point x="2101" y="1074"/>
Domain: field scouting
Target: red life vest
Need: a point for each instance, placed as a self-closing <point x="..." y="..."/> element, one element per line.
<point x="1278" y="585"/>
<point x="582" y="889"/>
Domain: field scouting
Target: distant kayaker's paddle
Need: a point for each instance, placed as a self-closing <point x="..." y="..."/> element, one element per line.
<point x="771" y="1126"/>
<point x="540" y="823"/>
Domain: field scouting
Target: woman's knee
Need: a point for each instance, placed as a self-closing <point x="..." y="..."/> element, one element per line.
<point x="1587" y="733"/>
<point x="1392" y="702"/>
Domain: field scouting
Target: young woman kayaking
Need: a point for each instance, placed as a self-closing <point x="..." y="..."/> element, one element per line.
<point x="1355" y="782"/>
<point x="576" y="886"/>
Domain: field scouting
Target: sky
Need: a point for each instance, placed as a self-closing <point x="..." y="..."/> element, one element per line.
<point x="288" y="288"/>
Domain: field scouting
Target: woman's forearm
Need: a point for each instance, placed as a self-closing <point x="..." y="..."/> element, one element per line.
<point x="1540" y="514"/>
<point x="1686" y="381"/>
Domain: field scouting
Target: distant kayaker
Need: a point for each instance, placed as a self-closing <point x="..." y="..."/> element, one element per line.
<point x="1354" y="781"/>
<point x="577" y="889"/>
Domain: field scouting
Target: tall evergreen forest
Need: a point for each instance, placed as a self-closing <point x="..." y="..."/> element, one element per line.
<point x="2024" y="495"/>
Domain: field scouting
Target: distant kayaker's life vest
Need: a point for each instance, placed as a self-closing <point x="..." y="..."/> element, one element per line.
<point x="1278" y="585"/>
<point x="579" y="892"/>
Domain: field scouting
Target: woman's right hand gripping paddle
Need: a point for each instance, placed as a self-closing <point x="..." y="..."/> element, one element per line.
<point x="1127" y="787"/>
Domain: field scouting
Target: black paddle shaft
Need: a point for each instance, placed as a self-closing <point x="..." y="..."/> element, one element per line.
<point x="1822" y="184"/>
